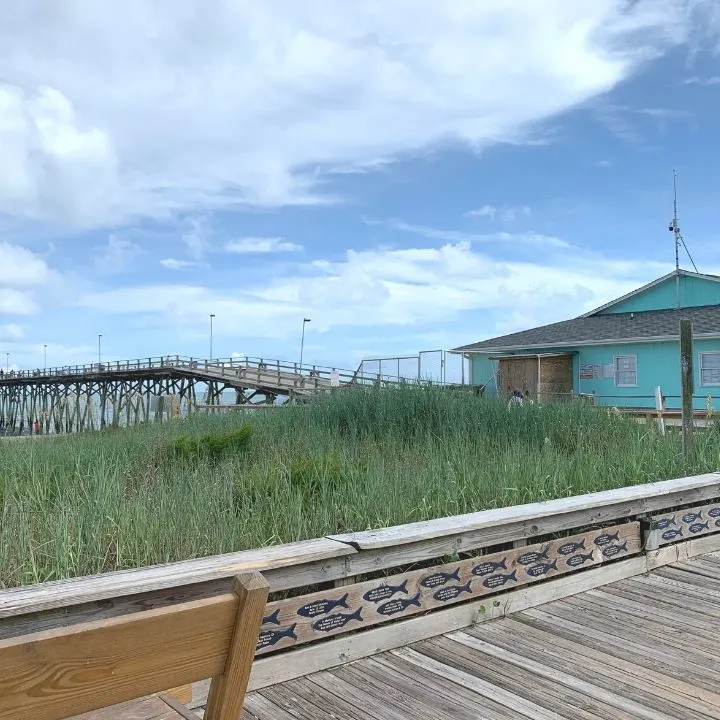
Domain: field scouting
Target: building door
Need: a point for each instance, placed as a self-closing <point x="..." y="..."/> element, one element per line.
<point x="518" y="373"/>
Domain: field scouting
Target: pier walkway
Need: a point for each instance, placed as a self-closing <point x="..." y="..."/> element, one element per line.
<point x="644" y="647"/>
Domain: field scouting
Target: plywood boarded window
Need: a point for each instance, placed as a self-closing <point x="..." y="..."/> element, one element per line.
<point x="710" y="368"/>
<point x="626" y="371"/>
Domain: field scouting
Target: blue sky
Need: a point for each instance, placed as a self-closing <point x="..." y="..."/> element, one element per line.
<point x="407" y="175"/>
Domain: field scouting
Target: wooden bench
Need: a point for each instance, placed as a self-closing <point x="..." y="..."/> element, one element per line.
<point x="58" y="673"/>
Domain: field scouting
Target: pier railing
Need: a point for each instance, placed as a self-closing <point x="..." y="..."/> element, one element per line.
<point x="339" y="598"/>
<point x="290" y="374"/>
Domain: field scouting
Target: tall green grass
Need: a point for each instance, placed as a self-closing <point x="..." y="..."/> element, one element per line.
<point x="349" y="461"/>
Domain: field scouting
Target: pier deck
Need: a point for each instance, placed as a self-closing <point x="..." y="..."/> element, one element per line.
<point x="644" y="647"/>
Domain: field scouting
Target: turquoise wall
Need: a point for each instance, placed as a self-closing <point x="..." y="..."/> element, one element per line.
<point x="657" y="364"/>
<point x="693" y="292"/>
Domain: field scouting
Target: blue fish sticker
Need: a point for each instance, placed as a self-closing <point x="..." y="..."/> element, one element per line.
<point x="489" y="567"/>
<point x="322" y="607"/>
<point x="391" y="607"/>
<point x="540" y="570"/>
<point x="440" y="578"/>
<point x="495" y="581"/>
<point x="717" y="523"/>
<point x="613" y="550"/>
<point x="333" y="622"/>
<point x="450" y="593"/>
<point x="672" y="534"/>
<point x="533" y="557"/>
<point x="273" y="619"/>
<point x="383" y="592"/>
<point x="578" y="560"/>
<point x="665" y="523"/>
<point x="606" y="539"/>
<point x="268" y="638"/>
<point x="714" y="512"/>
<point x="571" y="547"/>
<point x="692" y="517"/>
<point x="699" y="527"/>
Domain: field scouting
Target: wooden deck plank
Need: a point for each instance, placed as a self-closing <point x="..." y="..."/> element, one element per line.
<point x="630" y="694"/>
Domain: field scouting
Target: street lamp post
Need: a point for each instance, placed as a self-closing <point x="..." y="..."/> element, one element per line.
<point x="45" y="357"/>
<point x="7" y="362"/>
<point x="212" y="315"/>
<point x="99" y="349"/>
<point x="302" y="341"/>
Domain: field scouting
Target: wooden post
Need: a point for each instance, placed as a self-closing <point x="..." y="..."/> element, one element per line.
<point x="659" y="406"/>
<point x="227" y="691"/>
<point x="686" y="370"/>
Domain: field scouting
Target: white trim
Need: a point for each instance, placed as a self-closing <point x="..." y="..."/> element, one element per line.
<point x="649" y="286"/>
<point x="700" y="368"/>
<point x="585" y="343"/>
<point x="615" y="372"/>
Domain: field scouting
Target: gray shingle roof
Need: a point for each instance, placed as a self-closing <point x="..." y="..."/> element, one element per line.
<point x="604" y="328"/>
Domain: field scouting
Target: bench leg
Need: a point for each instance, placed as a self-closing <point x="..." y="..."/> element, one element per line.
<point x="227" y="691"/>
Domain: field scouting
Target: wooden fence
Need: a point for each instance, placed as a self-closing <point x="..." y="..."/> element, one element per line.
<point x="343" y="597"/>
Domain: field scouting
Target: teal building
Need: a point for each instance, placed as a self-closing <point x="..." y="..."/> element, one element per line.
<point x="618" y="353"/>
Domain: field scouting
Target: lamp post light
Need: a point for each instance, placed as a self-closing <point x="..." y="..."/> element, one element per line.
<point x="212" y="315"/>
<point x="99" y="349"/>
<point x="7" y="362"/>
<point x="302" y="341"/>
<point x="45" y="357"/>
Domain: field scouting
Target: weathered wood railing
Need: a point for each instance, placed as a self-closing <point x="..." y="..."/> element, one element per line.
<point x="339" y="598"/>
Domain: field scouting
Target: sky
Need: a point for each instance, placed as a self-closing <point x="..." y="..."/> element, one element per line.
<point x="408" y="174"/>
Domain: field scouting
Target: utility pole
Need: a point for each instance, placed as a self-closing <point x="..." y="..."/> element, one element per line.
<point x="686" y="378"/>
<point x="211" y="335"/>
<point x="45" y="357"/>
<point x="302" y="341"/>
<point x="99" y="349"/>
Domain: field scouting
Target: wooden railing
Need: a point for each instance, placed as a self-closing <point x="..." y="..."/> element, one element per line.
<point x="335" y="599"/>
<point x="280" y="372"/>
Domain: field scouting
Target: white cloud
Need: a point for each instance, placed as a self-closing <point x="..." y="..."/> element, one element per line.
<point x="117" y="109"/>
<point x="457" y="236"/>
<point x="249" y="245"/>
<point x="710" y="80"/>
<point x="504" y="214"/>
<point x="117" y="254"/>
<point x="11" y="332"/>
<point x="25" y="280"/>
<point x="174" y="264"/>
<point x="385" y="288"/>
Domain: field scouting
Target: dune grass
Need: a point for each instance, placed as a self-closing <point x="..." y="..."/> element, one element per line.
<point x="350" y="461"/>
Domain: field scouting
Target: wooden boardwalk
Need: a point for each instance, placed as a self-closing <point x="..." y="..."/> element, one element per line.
<point x="645" y="647"/>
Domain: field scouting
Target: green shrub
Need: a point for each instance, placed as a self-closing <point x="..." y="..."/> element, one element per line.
<point x="213" y="446"/>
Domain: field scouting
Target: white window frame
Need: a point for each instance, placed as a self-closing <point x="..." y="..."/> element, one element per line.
<point x="700" y="368"/>
<point x="615" y="371"/>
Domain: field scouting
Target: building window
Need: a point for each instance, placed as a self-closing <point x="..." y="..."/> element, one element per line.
<point x="710" y="368"/>
<point x="626" y="371"/>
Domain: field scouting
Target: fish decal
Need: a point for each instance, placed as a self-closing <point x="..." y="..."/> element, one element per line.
<point x="273" y="619"/>
<point x="699" y="527"/>
<point x="392" y="607"/>
<point x="717" y="523"/>
<point x="383" y="592"/>
<point x="333" y="622"/>
<point x="578" y="560"/>
<point x="671" y="534"/>
<point x="714" y="512"/>
<point x="495" y="581"/>
<point x="268" y="638"/>
<point x="320" y="607"/>
<point x="665" y="523"/>
<point x="544" y="569"/>
<point x="533" y="557"/>
<point x="489" y="567"/>
<point x="450" y="593"/>
<point x="606" y="539"/>
<point x="437" y="579"/>
<point x="691" y="517"/>
<point x="613" y="550"/>
<point x="571" y="547"/>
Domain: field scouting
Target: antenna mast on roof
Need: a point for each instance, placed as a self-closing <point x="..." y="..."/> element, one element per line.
<point x="674" y="228"/>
